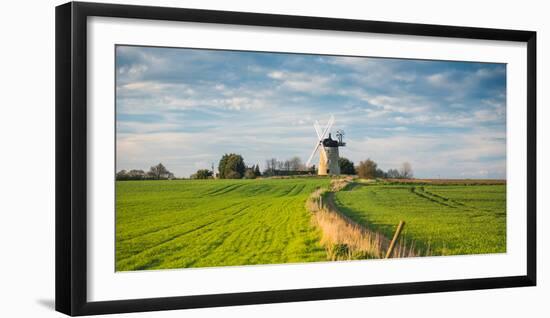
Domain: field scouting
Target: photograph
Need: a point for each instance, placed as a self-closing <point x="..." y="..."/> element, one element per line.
<point x="239" y="158"/>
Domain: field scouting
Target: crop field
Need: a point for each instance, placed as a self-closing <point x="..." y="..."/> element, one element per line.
<point x="202" y="223"/>
<point x="444" y="219"/>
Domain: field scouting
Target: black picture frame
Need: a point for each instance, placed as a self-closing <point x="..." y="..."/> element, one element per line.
<point x="71" y="157"/>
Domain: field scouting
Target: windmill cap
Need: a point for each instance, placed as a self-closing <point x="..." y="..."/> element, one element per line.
<point x="329" y="142"/>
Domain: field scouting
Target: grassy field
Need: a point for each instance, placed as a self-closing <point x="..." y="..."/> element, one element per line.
<point x="449" y="219"/>
<point x="200" y="223"/>
<point x="204" y="223"/>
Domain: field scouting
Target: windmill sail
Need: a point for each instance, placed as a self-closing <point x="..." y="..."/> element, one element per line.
<point x="313" y="154"/>
<point x="320" y="136"/>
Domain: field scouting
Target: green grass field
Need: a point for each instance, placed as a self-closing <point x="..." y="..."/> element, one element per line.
<point x="201" y="223"/>
<point x="204" y="223"/>
<point x="450" y="219"/>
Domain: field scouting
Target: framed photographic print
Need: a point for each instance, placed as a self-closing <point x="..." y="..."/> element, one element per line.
<point x="210" y="158"/>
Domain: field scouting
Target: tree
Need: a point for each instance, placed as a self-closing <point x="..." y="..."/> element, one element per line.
<point x="406" y="171"/>
<point x="346" y="166"/>
<point x="380" y="173"/>
<point x="232" y="175"/>
<point x="136" y="174"/>
<point x="286" y="165"/>
<point x="221" y="166"/>
<point x="202" y="174"/>
<point x="393" y="174"/>
<point x="295" y="164"/>
<point x="270" y="166"/>
<point x="367" y="169"/>
<point x="159" y="172"/>
<point x="231" y="166"/>
<point x="122" y="175"/>
<point x="313" y="169"/>
<point x="249" y="174"/>
<point x="257" y="172"/>
<point x="156" y="172"/>
<point x="131" y="175"/>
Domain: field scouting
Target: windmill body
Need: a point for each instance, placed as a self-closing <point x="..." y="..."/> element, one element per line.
<point x="328" y="150"/>
<point x="329" y="157"/>
<point x="322" y="169"/>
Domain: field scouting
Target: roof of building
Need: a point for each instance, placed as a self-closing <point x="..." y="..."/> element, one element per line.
<point x="329" y="142"/>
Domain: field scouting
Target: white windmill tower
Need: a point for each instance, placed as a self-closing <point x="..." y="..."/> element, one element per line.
<point x="328" y="149"/>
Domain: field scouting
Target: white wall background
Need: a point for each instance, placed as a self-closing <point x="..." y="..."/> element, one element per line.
<point x="27" y="149"/>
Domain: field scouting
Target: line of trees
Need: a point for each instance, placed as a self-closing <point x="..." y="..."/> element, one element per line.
<point x="158" y="172"/>
<point x="368" y="169"/>
<point x="232" y="166"/>
<point x="202" y="174"/>
<point x="292" y="166"/>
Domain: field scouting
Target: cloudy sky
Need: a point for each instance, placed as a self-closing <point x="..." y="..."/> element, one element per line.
<point x="187" y="107"/>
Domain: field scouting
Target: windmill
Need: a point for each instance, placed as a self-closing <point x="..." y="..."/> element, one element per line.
<point x="328" y="149"/>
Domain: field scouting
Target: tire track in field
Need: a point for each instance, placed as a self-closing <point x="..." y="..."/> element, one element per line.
<point x="281" y="225"/>
<point x="260" y="189"/>
<point x="191" y="244"/>
<point x="286" y="192"/>
<point x="243" y="232"/>
<point x="443" y="198"/>
<point x="422" y="194"/>
<point x="286" y="223"/>
<point x="238" y="231"/>
<point x="225" y="190"/>
<point x="213" y="191"/>
<point x="157" y="230"/>
<point x="456" y="202"/>
<point x="297" y="190"/>
<point x="178" y="235"/>
<point x="227" y="219"/>
<point x="261" y="232"/>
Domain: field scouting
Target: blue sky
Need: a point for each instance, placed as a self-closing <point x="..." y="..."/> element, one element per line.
<point x="187" y="107"/>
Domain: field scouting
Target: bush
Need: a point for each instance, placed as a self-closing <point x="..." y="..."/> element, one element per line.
<point x="232" y="175"/>
<point x="380" y="173"/>
<point x="367" y="169"/>
<point x="133" y="174"/>
<point x="202" y="174"/>
<point x="249" y="174"/>
<point x="346" y="166"/>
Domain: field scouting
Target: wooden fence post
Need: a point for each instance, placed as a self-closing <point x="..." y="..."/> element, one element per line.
<point x="395" y="237"/>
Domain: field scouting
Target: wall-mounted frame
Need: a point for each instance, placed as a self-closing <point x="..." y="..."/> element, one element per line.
<point x="91" y="279"/>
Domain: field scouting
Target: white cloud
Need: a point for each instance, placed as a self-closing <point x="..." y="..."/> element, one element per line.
<point x="449" y="155"/>
<point x="440" y="80"/>
<point x="463" y="82"/>
<point x="276" y="75"/>
<point x="304" y="82"/>
<point x="397" y="128"/>
<point x="392" y="110"/>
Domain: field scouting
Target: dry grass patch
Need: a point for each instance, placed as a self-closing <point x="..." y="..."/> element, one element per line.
<point x="343" y="238"/>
